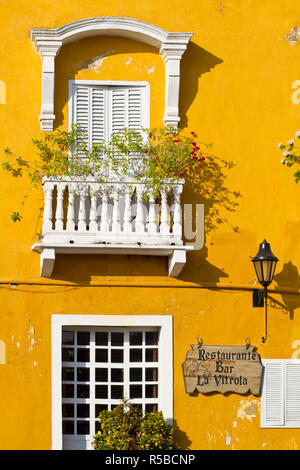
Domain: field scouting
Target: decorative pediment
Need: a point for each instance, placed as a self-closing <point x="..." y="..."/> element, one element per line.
<point x="170" y="45"/>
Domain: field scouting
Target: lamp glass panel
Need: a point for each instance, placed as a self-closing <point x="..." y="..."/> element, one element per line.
<point x="258" y="270"/>
<point x="266" y="268"/>
<point x="273" y="269"/>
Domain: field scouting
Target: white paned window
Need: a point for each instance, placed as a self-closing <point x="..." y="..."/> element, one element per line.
<point x="280" y="402"/>
<point x="104" y="108"/>
<point x="98" y="364"/>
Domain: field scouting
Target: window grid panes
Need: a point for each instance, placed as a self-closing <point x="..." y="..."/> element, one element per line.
<point x="100" y="366"/>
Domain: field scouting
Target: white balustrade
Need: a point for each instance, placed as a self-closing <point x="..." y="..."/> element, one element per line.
<point x="114" y="213"/>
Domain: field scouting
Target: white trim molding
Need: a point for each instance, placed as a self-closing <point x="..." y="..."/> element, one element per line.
<point x="165" y="383"/>
<point x="171" y="46"/>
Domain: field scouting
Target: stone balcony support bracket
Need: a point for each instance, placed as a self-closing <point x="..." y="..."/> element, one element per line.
<point x="176" y="255"/>
<point x="170" y="45"/>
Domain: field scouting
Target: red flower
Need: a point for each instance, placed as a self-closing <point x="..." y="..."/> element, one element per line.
<point x="192" y="133"/>
<point x="146" y="151"/>
<point x="175" y="140"/>
<point x="181" y="175"/>
<point x="194" y="143"/>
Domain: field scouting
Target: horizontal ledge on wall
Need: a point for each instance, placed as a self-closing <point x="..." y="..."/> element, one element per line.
<point x="149" y="284"/>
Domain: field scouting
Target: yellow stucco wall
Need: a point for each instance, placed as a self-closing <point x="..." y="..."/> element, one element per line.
<point x="237" y="79"/>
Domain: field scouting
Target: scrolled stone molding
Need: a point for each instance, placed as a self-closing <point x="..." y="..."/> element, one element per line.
<point x="171" y="46"/>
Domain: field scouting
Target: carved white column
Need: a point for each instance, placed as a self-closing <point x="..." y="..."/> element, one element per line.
<point x="104" y="226"/>
<point x="116" y="212"/>
<point x="47" y="219"/>
<point x="139" y="221"/>
<point x="48" y="54"/>
<point x="127" y="228"/>
<point x="82" y="222"/>
<point x="59" y="215"/>
<point x="164" y="225"/>
<point x="93" y="212"/>
<point x="177" y="225"/>
<point x="171" y="54"/>
<point x="71" y="209"/>
<point x="151" y="226"/>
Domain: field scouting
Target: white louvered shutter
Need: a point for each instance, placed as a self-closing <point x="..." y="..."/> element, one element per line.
<point x="126" y="104"/>
<point x="104" y="110"/>
<point x="81" y="110"/>
<point x="135" y="109"/>
<point x="292" y="394"/>
<point x="97" y="115"/>
<point x="89" y="113"/>
<point x="273" y="394"/>
<point x="118" y="109"/>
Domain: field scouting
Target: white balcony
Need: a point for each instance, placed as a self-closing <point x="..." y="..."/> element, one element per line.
<point x="85" y="216"/>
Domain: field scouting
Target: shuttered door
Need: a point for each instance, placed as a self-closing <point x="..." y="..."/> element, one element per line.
<point x="292" y="397"/>
<point x="273" y="394"/>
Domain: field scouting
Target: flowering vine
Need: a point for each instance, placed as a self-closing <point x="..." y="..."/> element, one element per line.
<point x="291" y="155"/>
<point x="158" y="157"/>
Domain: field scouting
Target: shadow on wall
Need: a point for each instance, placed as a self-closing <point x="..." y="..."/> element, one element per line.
<point x="200" y="271"/>
<point x="287" y="278"/>
<point x="210" y="188"/>
<point x="180" y="437"/>
<point x="195" y="62"/>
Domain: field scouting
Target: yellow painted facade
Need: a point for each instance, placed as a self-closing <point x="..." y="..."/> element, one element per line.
<point x="238" y="90"/>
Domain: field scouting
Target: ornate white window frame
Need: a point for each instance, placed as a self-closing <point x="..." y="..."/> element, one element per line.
<point x="171" y="46"/>
<point x="164" y="322"/>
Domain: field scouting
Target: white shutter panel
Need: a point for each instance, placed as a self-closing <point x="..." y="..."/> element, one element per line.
<point x="273" y="394"/>
<point x="81" y="111"/>
<point x="292" y="399"/>
<point x="127" y="108"/>
<point x="97" y="115"/>
<point x="135" y="112"/>
<point x="89" y="113"/>
<point x="119" y="109"/>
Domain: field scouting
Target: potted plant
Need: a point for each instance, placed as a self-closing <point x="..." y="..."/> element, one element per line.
<point x="126" y="428"/>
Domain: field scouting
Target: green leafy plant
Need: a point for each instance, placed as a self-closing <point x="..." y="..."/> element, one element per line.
<point x="126" y="428"/>
<point x="291" y="155"/>
<point x="158" y="157"/>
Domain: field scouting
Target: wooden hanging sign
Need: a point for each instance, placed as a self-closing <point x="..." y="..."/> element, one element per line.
<point x="235" y="369"/>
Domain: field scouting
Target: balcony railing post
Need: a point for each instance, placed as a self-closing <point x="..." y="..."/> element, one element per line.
<point x="47" y="219"/>
<point x="127" y="227"/>
<point x="93" y="212"/>
<point x="71" y="209"/>
<point x="116" y="211"/>
<point x="177" y="225"/>
<point x="104" y="226"/>
<point x="82" y="222"/>
<point x="151" y="226"/>
<point x="140" y="220"/>
<point x="164" y="226"/>
<point x="59" y="215"/>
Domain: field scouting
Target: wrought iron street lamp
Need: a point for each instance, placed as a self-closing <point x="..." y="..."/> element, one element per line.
<point x="264" y="264"/>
